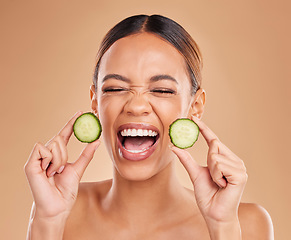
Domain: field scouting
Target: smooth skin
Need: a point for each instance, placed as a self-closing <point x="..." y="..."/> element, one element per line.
<point x="144" y="200"/>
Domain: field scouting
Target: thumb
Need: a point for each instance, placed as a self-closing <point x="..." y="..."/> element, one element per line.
<point x="191" y="166"/>
<point x="85" y="158"/>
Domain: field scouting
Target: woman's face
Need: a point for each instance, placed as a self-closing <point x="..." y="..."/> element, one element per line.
<point x="143" y="86"/>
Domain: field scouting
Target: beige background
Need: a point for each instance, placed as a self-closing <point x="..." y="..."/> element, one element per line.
<point x="47" y="55"/>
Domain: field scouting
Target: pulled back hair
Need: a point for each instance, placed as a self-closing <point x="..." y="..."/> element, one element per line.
<point x="163" y="27"/>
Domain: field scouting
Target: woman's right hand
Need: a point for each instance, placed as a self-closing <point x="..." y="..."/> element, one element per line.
<point x="53" y="181"/>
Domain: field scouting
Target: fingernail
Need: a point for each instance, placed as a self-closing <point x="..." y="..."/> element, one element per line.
<point x="52" y="174"/>
<point x="195" y="117"/>
<point x="46" y="166"/>
<point x="61" y="169"/>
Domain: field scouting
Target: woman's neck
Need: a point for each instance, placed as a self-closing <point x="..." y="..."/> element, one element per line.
<point x="135" y="201"/>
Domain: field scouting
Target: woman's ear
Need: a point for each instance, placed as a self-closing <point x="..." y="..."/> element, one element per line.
<point x="93" y="97"/>
<point x="197" y="106"/>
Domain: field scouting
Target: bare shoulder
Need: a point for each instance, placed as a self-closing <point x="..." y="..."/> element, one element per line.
<point x="89" y="194"/>
<point x="93" y="190"/>
<point x="87" y="203"/>
<point x="255" y="222"/>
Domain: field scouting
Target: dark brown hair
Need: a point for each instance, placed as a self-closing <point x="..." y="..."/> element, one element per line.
<point x="163" y="27"/>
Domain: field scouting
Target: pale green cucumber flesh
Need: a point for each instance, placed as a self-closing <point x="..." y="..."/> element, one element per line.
<point x="183" y="133"/>
<point x="87" y="128"/>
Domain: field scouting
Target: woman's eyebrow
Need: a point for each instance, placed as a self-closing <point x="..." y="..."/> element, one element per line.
<point x="152" y="79"/>
<point x="115" y="76"/>
<point x="163" y="77"/>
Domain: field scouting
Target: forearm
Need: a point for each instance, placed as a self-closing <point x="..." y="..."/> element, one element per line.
<point x="52" y="229"/>
<point x="225" y="231"/>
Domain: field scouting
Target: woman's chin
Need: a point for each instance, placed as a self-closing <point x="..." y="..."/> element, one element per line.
<point x="136" y="173"/>
<point x="141" y="170"/>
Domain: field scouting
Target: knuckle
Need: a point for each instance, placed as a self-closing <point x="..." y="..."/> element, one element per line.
<point x="58" y="138"/>
<point x="246" y="177"/>
<point x="242" y="165"/>
<point x="217" y="163"/>
<point x="244" y="168"/>
<point x="212" y="158"/>
<point x="243" y="178"/>
<point x="53" y="145"/>
<point x="84" y="154"/>
<point x="37" y="145"/>
<point x="25" y="167"/>
<point x="49" y="142"/>
<point x="212" y="155"/>
<point x="214" y="141"/>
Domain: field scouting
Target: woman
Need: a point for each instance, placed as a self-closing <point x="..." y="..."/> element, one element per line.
<point x="148" y="74"/>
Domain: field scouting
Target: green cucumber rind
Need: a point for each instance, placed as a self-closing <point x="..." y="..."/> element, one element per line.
<point x="98" y="122"/>
<point x="171" y="134"/>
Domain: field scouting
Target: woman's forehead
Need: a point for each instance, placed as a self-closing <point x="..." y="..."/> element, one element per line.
<point x="143" y="54"/>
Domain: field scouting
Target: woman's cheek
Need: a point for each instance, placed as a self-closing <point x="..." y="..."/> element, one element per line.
<point x="108" y="110"/>
<point x="168" y="109"/>
<point x="110" y="106"/>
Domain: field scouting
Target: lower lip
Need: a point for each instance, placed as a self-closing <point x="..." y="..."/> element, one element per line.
<point x="136" y="156"/>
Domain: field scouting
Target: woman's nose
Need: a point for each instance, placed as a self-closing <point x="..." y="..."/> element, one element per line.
<point x="137" y="105"/>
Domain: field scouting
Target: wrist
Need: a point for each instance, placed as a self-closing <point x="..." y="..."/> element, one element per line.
<point x="46" y="228"/>
<point x="224" y="230"/>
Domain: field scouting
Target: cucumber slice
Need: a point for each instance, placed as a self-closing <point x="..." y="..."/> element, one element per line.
<point x="87" y="128"/>
<point x="183" y="133"/>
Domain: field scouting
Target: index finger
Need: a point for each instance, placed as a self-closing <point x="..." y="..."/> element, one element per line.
<point x="215" y="145"/>
<point x="205" y="131"/>
<point x="67" y="130"/>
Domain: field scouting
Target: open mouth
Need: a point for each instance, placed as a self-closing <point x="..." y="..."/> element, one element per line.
<point x="137" y="143"/>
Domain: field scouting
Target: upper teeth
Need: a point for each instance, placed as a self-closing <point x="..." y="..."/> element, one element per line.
<point x="138" y="132"/>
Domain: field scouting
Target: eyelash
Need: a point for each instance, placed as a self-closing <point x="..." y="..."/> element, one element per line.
<point x="162" y="91"/>
<point x="114" y="90"/>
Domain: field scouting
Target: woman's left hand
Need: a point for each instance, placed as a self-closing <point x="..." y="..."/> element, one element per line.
<point x="219" y="186"/>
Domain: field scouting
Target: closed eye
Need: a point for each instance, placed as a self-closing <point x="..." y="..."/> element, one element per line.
<point x="114" y="90"/>
<point x="163" y="91"/>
